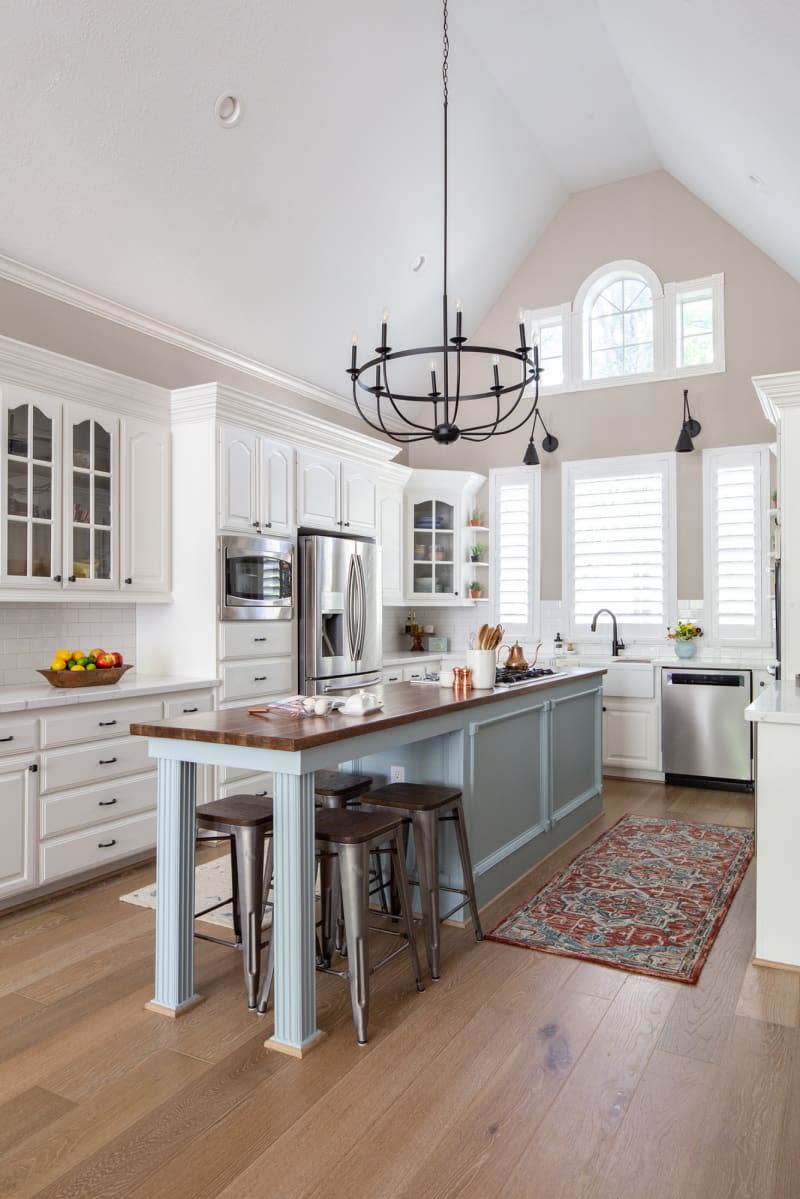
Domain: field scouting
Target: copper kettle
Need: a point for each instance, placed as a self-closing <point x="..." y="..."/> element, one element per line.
<point x="515" y="659"/>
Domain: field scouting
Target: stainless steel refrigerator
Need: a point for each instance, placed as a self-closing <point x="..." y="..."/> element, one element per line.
<point x="340" y="612"/>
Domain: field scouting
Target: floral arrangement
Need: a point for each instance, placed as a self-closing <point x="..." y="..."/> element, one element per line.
<point x="684" y="630"/>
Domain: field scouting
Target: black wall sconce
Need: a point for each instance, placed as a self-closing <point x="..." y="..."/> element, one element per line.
<point x="689" y="429"/>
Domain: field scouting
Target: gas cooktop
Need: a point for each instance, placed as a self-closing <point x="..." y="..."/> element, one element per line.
<point x="507" y="678"/>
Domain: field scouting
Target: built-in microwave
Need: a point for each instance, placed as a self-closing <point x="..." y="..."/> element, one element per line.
<point x="256" y="579"/>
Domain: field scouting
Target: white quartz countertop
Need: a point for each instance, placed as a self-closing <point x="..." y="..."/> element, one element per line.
<point x="42" y="695"/>
<point x="778" y="704"/>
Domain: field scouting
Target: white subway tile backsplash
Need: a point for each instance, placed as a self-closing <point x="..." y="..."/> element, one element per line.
<point x="31" y="633"/>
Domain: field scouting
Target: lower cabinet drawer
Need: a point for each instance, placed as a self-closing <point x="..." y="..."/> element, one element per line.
<point x="249" y="680"/>
<point x="84" y="808"/>
<point x="251" y="638"/>
<point x="253" y="784"/>
<point x="104" y="844"/>
<point x="187" y="705"/>
<point x="89" y="722"/>
<point x="17" y="736"/>
<point x="88" y="765"/>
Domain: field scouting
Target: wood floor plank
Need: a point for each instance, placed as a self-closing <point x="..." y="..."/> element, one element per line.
<point x="593" y="1101"/>
<point x="668" y="1108"/>
<point x="770" y="995"/>
<point x="736" y="1152"/>
<point x="29" y="1112"/>
<point x="481" y="1146"/>
<point x="602" y="981"/>
<point x="786" y="1170"/>
<point x="84" y="1130"/>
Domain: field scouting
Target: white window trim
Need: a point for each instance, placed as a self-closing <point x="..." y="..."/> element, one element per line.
<point x="665" y="301"/>
<point x="532" y="475"/>
<point x="731" y="456"/>
<point x="596" y="468"/>
<point x="547" y="316"/>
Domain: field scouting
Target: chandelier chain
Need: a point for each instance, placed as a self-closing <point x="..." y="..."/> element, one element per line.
<point x="445" y="50"/>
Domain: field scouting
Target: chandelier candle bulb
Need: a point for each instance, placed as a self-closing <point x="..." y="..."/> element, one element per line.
<point x="433" y="379"/>
<point x="354" y="353"/>
<point x="458" y="318"/>
<point x="496" y="371"/>
<point x="384" y="324"/>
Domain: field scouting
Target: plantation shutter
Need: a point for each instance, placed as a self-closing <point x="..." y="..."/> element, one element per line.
<point x="619" y="556"/>
<point x="514" y="549"/>
<point x="734" y="481"/>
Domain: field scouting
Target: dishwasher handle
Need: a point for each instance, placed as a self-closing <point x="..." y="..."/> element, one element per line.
<point x="701" y="679"/>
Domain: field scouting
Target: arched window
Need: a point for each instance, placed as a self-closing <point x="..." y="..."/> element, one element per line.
<point x="618" y="337"/>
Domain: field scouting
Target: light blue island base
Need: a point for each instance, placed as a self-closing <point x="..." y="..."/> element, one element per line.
<point x="528" y="762"/>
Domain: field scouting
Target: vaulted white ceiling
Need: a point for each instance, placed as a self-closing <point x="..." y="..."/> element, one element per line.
<point x="280" y="236"/>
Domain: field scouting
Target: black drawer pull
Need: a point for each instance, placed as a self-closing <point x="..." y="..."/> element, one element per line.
<point x="259" y="638"/>
<point x="106" y="803"/>
<point x="105" y="761"/>
<point x="105" y="724"/>
<point x="186" y="711"/>
<point x="6" y="738"/>
<point x="106" y="844"/>
<point x="260" y="678"/>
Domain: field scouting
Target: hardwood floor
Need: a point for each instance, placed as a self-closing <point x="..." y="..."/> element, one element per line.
<point x="518" y="1075"/>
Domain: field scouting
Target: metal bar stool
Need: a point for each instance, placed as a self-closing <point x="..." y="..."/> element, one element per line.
<point x="245" y="820"/>
<point x="353" y="836"/>
<point x="428" y="805"/>
<point x="336" y="789"/>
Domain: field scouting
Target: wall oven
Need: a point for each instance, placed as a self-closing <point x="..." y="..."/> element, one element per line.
<point x="256" y="579"/>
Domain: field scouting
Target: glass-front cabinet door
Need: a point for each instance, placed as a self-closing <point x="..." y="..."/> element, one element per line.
<point x="90" y="520"/>
<point x="433" y="549"/>
<point x="31" y="491"/>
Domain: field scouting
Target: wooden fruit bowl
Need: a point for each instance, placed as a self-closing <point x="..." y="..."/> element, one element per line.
<point x="85" y="678"/>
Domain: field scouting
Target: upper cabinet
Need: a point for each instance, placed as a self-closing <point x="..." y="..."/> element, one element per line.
<point x="256" y="483"/>
<point x="31" y="492"/>
<point x="73" y="500"/>
<point x="390" y="538"/>
<point x="437" y="509"/>
<point x="145" y="507"/>
<point x="342" y="496"/>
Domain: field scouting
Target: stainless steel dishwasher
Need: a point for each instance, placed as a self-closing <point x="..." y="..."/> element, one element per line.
<point x="705" y="739"/>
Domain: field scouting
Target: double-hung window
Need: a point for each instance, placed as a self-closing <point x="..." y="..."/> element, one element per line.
<point x="514" y="498"/>
<point x="736" y="538"/>
<point x="620" y="542"/>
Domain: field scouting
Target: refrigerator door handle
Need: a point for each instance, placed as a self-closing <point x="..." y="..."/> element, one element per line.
<point x="362" y="605"/>
<point x="352" y="615"/>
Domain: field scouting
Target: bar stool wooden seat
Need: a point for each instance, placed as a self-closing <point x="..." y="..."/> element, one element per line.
<point x="336" y="788"/>
<point x="353" y="836"/>
<point x="427" y="805"/>
<point x="245" y="820"/>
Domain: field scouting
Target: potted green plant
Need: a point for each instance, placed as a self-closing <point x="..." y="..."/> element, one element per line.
<point x="476" y="551"/>
<point x="475" y="590"/>
<point x="476" y="518"/>
<point x="685" y="634"/>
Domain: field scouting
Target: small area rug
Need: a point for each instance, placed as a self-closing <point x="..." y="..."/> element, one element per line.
<point x="648" y="896"/>
<point x="212" y="882"/>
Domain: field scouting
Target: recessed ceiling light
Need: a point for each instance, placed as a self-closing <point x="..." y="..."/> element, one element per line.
<point x="228" y="110"/>
<point x="418" y="262"/>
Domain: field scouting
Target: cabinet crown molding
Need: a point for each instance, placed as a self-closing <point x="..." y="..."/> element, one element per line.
<point x="777" y="391"/>
<point x="212" y="401"/>
<point x="70" y="379"/>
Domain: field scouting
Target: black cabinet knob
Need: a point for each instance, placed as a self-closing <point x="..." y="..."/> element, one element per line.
<point x="255" y="524"/>
<point x="71" y="579"/>
<point x="129" y="581"/>
<point x="268" y="524"/>
<point x="56" y="578"/>
<point x="34" y="769"/>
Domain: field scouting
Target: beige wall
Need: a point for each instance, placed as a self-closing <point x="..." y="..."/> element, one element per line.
<point x="29" y="316"/>
<point x="653" y="219"/>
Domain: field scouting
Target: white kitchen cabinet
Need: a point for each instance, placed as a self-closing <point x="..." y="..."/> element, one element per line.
<point x="79" y="488"/>
<point x="631" y="734"/>
<point x="256" y="483"/>
<point x="341" y="496"/>
<point x="393" y="675"/>
<point x="412" y="674"/>
<point x="91" y="500"/>
<point x="390" y="538"/>
<point x="18" y="801"/>
<point x="437" y="509"/>
<point x="145" y="507"/>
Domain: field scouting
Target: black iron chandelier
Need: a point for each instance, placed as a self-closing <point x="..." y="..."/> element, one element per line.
<point x="444" y="414"/>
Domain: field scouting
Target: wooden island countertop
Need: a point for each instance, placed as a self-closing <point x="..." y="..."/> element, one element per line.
<point x="403" y="703"/>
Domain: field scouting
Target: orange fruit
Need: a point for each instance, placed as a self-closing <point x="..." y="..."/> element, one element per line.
<point x="57" y="664"/>
<point x="78" y="666"/>
<point x="77" y="655"/>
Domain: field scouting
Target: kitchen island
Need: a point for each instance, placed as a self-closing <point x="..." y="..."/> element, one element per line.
<point x="528" y="760"/>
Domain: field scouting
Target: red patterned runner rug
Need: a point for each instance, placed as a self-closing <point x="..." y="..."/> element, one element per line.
<point x="648" y="896"/>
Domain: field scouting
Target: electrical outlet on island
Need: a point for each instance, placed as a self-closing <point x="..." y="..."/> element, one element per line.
<point x="397" y="774"/>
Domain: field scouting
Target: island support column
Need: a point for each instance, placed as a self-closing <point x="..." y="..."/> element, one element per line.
<point x="293" y="925"/>
<point x="175" y="835"/>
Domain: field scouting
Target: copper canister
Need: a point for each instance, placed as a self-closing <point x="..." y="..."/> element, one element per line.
<point x="462" y="678"/>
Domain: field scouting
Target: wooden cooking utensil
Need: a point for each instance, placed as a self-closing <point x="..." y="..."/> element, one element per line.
<point x="482" y="631"/>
